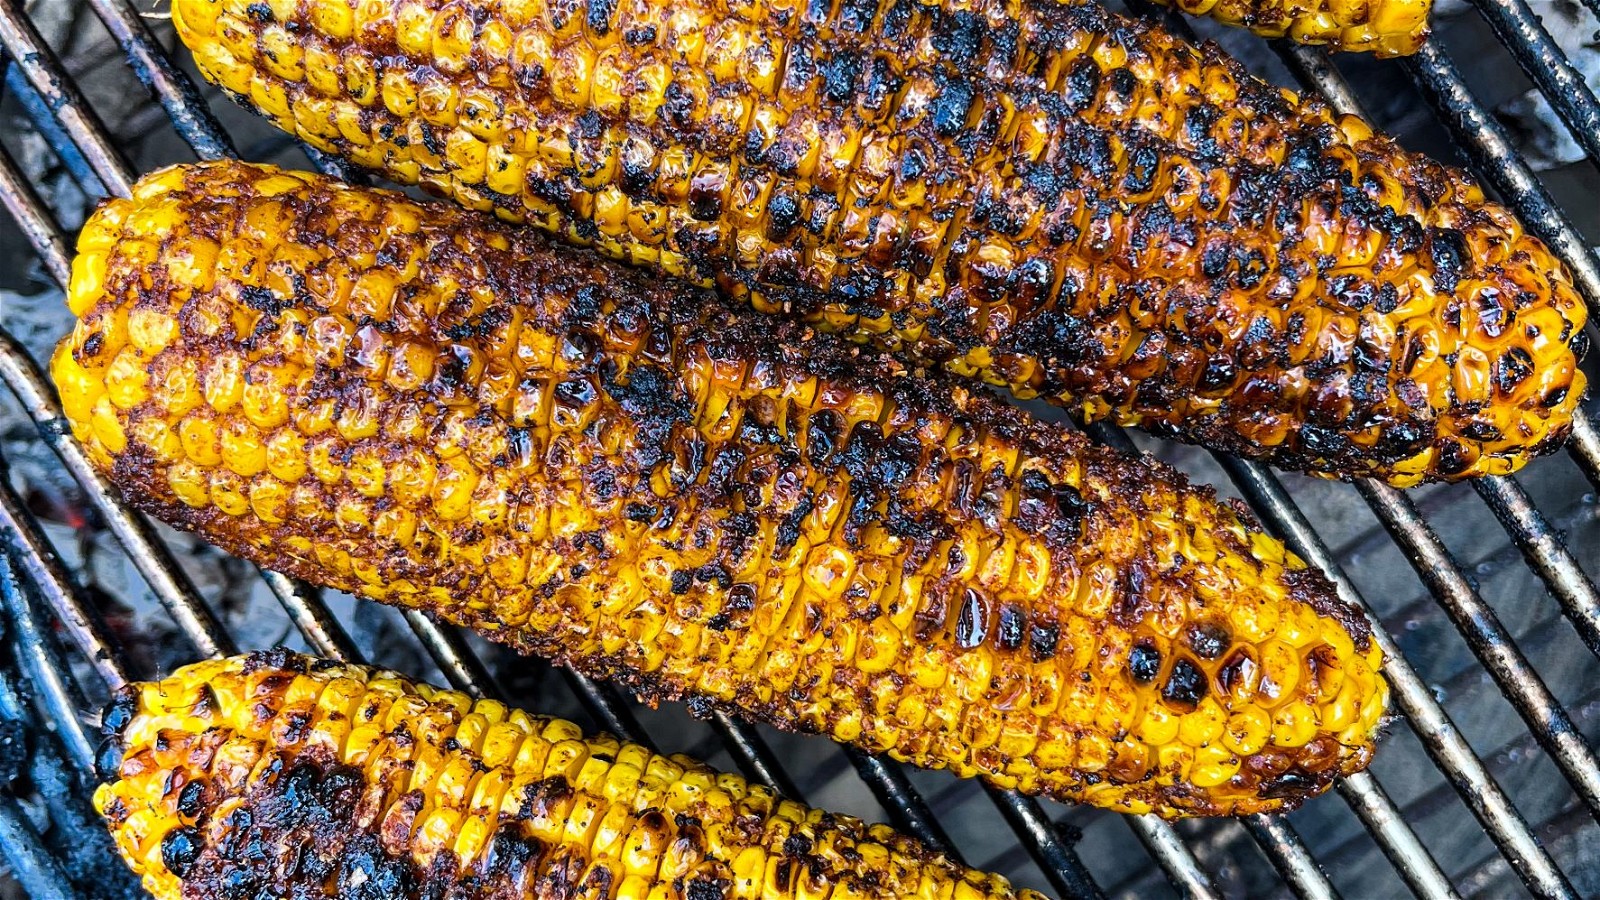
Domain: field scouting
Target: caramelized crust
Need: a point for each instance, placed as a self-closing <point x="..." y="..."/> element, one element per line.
<point x="429" y="409"/>
<point x="1039" y="194"/>
<point x="278" y="775"/>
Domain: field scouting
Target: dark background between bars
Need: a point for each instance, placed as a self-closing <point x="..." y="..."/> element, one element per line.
<point x="1372" y="534"/>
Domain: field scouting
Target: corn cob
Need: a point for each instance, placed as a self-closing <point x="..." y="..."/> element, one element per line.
<point x="430" y="409"/>
<point x="279" y="775"/>
<point x="1381" y="27"/>
<point x="1043" y="195"/>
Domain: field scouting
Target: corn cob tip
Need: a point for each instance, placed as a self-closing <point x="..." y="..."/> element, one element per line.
<point x="424" y="407"/>
<point x="275" y="774"/>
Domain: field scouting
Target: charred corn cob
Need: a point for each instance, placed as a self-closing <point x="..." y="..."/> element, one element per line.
<point x="1043" y="195"/>
<point x="1380" y="27"/>
<point x="278" y="775"/>
<point x="427" y="408"/>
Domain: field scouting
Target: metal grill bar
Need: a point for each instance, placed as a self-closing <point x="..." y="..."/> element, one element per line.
<point x="1395" y="838"/>
<point x="1291" y="857"/>
<point x="1177" y="862"/>
<point x="170" y="86"/>
<point x="35" y="869"/>
<point x="1546" y="555"/>
<point x="1481" y="628"/>
<point x="1536" y="52"/>
<point x="38" y="113"/>
<point x="33" y="220"/>
<point x="45" y="671"/>
<point x="38" y="63"/>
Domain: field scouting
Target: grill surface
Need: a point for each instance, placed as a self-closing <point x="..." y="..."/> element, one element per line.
<point x="1526" y="711"/>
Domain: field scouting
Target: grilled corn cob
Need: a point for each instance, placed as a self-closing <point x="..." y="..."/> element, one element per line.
<point x="278" y="775"/>
<point x="427" y="408"/>
<point x="1380" y="27"/>
<point x="1043" y="195"/>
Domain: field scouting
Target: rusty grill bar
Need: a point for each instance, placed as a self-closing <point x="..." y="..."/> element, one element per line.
<point x="29" y="564"/>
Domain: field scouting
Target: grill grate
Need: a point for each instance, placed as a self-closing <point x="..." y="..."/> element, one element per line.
<point x="78" y="136"/>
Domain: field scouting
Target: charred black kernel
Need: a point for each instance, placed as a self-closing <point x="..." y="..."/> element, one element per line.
<point x="180" y="849"/>
<point x="260" y="13"/>
<point x="677" y="106"/>
<point x="1043" y="639"/>
<point x="681" y="579"/>
<point x="638" y="171"/>
<point x="639" y="512"/>
<point x="600" y="12"/>
<point x="1452" y="458"/>
<point x="1013" y="627"/>
<point x="108" y="759"/>
<point x="1512" y="368"/>
<point x="972" y="619"/>
<point x="1448" y="247"/>
<point x="783" y="214"/>
<point x="1208" y="639"/>
<point x="1219" y="373"/>
<point x="705" y="195"/>
<point x="741" y="597"/>
<point x="191" y="800"/>
<point x="1070" y="502"/>
<point x="882" y="84"/>
<point x="796" y="845"/>
<point x="119" y="712"/>
<point x="855" y="16"/>
<point x="950" y="109"/>
<point x="1144" y="164"/>
<point x="1122" y="82"/>
<point x="839" y="75"/>
<point x="704" y="888"/>
<point x="958" y="36"/>
<point x="859" y="456"/>
<point x="263" y="299"/>
<point x="639" y="35"/>
<point x="299" y="784"/>
<point x="823" y="431"/>
<point x="1144" y="662"/>
<point x="1186" y="685"/>
<point x="1082" y="85"/>
<point x="1323" y="442"/>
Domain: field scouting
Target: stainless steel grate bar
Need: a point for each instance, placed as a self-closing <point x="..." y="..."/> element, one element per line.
<point x="1546" y="555"/>
<point x="1530" y="43"/>
<point x="45" y="672"/>
<point x="39" y="64"/>
<point x="1488" y="639"/>
<point x="171" y="87"/>
<point x="1291" y="857"/>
